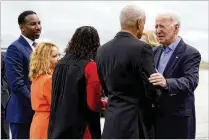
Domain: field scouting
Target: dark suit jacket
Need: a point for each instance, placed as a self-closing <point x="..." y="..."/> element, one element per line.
<point x="182" y="75"/>
<point x="124" y="66"/>
<point x="4" y="85"/>
<point x="17" y="69"/>
<point x="4" y="99"/>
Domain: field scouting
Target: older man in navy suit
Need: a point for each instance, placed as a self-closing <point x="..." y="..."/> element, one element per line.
<point x="178" y="75"/>
<point x="19" y="112"/>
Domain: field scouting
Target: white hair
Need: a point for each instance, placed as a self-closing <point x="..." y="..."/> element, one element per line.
<point x="174" y="17"/>
<point x="130" y="14"/>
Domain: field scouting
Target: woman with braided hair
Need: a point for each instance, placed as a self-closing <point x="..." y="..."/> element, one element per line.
<point x="76" y="90"/>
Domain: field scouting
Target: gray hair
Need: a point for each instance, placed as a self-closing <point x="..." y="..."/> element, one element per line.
<point x="130" y="14"/>
<point x="174" y="17"/>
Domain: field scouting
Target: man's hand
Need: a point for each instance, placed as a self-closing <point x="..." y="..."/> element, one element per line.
<point x="157" y="79"/>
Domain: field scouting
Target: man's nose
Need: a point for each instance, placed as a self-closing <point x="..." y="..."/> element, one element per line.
<point x="38" y="27"/>
<point x="157" y="31"/>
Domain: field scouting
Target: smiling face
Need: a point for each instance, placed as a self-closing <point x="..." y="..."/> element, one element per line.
<point x="166" y="30"/>
<point x="31" y="28"/>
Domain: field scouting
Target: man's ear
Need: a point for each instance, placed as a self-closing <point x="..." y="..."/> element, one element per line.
<point x="138" y="23"/>
<point x="176" y="28"/>
<point x="21" y="28"/>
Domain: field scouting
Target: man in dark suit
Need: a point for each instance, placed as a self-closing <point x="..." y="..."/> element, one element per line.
<point x="124" y="66"/>
<point x="178" y="66"/>
<point x="4" y="100"/>
<point x="19" y="111"/>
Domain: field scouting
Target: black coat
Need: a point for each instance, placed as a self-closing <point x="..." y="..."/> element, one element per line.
<point x="124" y="66"/>
<point x="70" y="113"/>
<point x="4" y="84"/>
<point x="4" y="100"/>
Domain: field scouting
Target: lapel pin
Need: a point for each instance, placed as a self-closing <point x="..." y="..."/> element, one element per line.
<point x="177" y="57"/>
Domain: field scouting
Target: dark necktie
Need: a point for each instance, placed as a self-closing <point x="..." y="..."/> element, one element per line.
<point x="34" y="44"/>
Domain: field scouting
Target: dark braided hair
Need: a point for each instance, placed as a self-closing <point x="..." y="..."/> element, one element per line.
<point x="84" y="43"/>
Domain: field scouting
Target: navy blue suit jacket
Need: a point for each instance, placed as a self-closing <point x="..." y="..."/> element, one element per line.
<point x="17" y="69"/>
<point x="182" y="75"/>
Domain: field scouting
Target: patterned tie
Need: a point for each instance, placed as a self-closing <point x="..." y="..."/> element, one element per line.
<point x="34" y="44"/>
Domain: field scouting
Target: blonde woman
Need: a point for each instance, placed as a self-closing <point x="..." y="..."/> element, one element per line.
<point x="150" y="38"/>
<point x="42" y="64"/>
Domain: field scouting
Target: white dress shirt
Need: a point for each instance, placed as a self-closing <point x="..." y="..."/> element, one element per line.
<point x="30" y="42"/>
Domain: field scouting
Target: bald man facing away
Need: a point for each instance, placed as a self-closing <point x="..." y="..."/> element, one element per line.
<point x="124" y="66"/>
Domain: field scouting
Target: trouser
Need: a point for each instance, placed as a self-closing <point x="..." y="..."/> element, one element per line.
<point x="20" y="130"/>
<point x="175" y="127"/>
<point x="4" y="126"/>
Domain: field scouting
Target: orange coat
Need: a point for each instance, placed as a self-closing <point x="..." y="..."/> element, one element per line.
<point x="41" y="101"/>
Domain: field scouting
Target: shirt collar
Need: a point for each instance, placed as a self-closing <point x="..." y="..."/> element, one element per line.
<point x="174" y="44"/>
<point x="30" y="42"/>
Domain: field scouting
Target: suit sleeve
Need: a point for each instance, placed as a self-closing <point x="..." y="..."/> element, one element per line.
<point x="4" y="85"/>
<point x="94" y="95"/>
<point x="15" y="74"/>
<point x="148" y="68"/>
<point x="47" y="89"/>
<point x="104" y="87"/>
<point x="148" y="60"/>
<point x="189" y="81"/>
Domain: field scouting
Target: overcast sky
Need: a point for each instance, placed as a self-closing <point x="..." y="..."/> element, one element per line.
<point x="61" y="18"/>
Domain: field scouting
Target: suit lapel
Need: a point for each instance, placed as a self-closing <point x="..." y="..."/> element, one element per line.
<point x="25" y="45"/>
<point x="174" y="58"/>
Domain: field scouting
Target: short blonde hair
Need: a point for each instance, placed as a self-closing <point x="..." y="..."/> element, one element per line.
<point x="40" y="60"/>
<point x="151" y="37"/>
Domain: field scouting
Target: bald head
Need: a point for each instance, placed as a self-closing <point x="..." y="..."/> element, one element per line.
<point x="132" y="19"/>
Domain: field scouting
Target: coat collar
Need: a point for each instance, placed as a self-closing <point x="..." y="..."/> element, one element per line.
<point x="173" y="59"/>
<point x="124" y="34"/>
